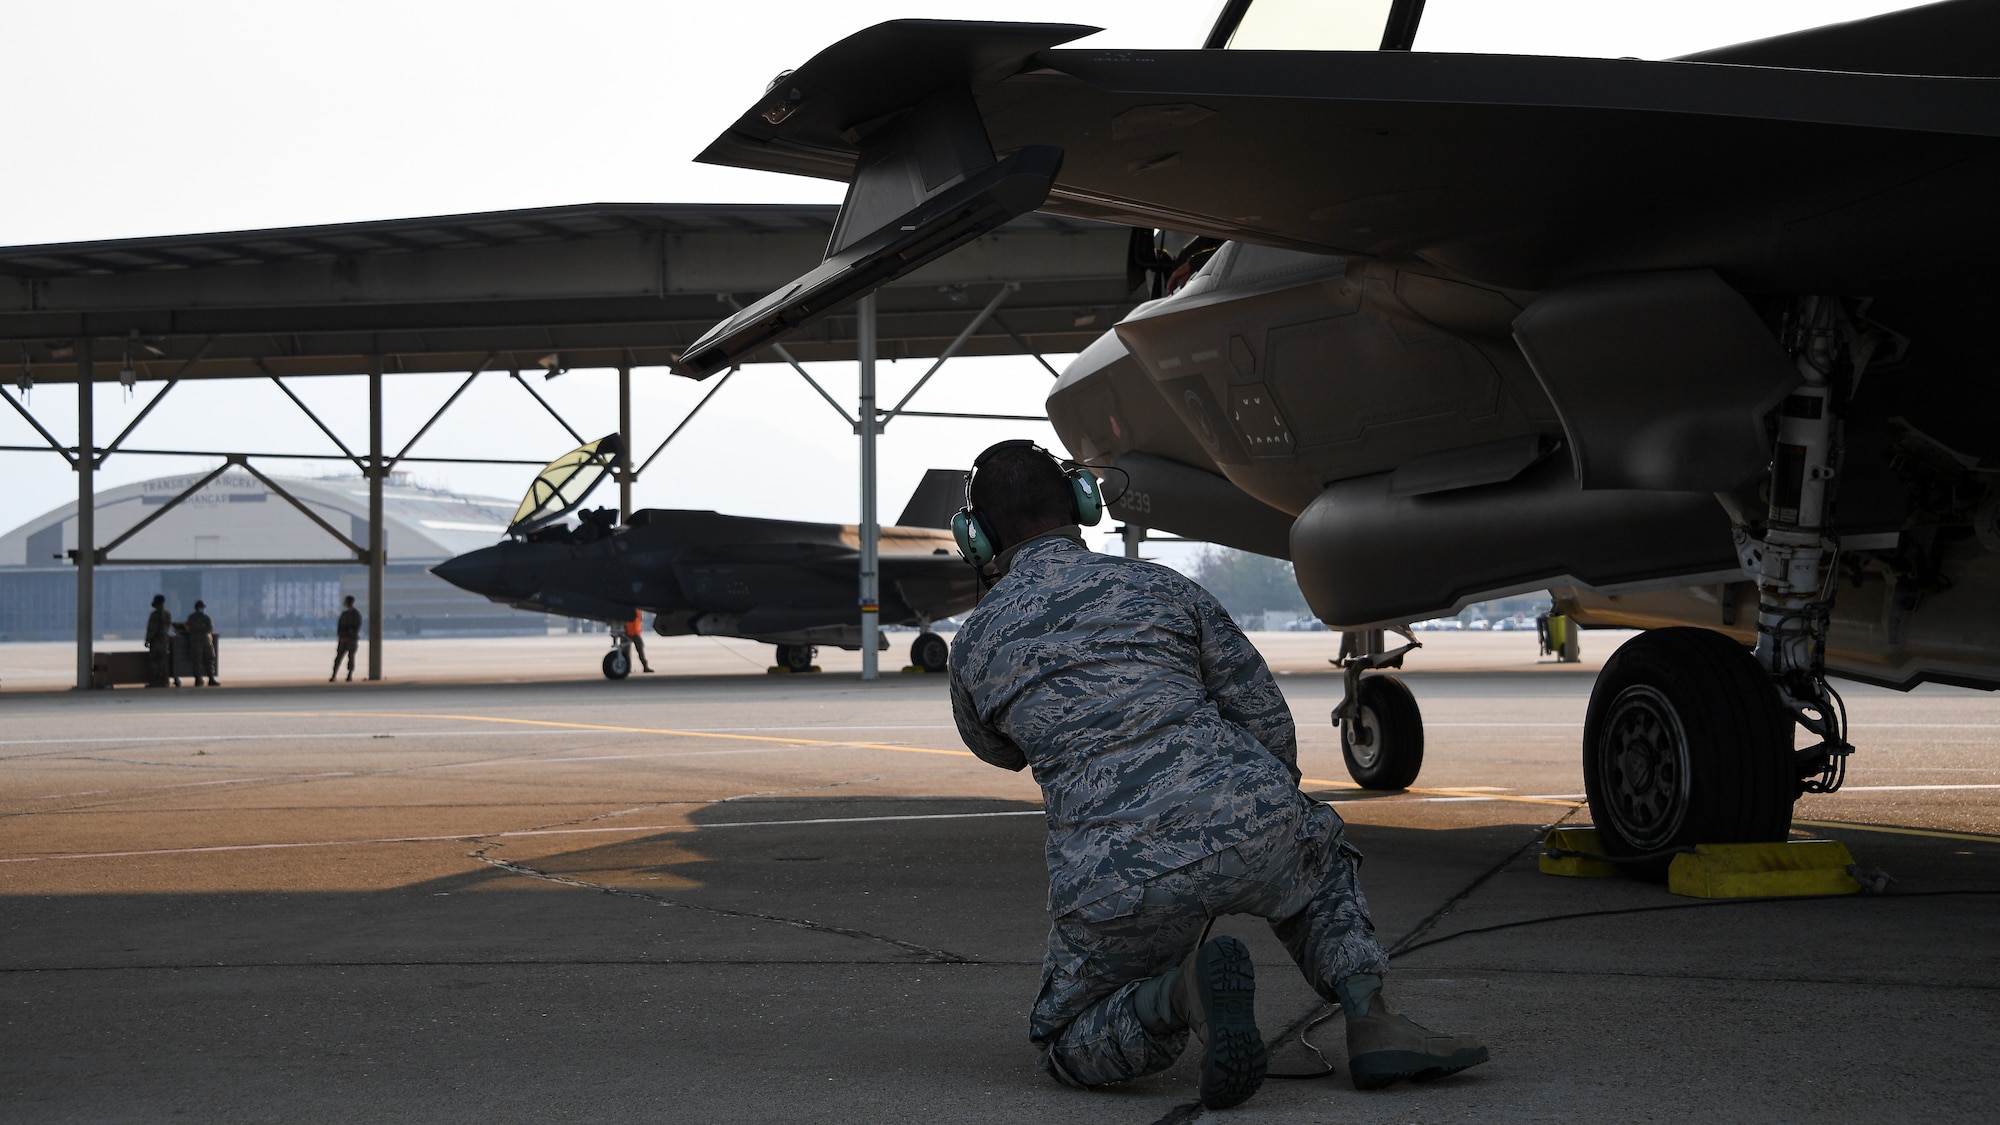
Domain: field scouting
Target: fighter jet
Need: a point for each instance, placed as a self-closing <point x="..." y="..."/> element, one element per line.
<point x="1697" y="343"/>
<point x="782" y="582"/>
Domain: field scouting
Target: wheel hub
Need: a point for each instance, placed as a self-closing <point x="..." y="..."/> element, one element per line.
<point x="1644" y="767"/>
<point x="1364" y="737"/>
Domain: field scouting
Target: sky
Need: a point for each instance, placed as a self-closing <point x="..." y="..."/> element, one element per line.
<point x="129" y="119"/>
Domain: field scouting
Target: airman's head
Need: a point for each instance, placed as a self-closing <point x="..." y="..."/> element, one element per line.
<point x="1022" y="492"/>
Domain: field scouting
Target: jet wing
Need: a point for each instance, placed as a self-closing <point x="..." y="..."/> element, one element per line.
<point x="1515" y="170"/>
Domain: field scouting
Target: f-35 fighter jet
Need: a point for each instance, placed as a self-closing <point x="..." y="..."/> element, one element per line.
<point x="1702" y="344"/>
<point x="786" y="583"/>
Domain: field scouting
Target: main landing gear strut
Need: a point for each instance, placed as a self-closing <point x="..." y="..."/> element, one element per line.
<point x="1689" y="738"/>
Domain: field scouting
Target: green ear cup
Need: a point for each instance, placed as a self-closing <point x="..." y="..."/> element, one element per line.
<point x="974" y="544"/>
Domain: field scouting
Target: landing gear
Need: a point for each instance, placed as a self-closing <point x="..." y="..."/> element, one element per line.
<point x="1685" y="742"/>
<point x="796" y="658"/>
<point x="930" y="652"/>
<point x="1381" y="727"/>
<point x="1689" y="738"/>
<point x="1384" y="742"/>
<point x="617" y="663"/>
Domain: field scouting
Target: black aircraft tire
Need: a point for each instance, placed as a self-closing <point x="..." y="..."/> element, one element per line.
<point x="1685" y="742"/>
<point x="798" y="658"/>
<point x="930" y="652"/>
<point x="1395" y="755"/>
<point x="617" y="664"/>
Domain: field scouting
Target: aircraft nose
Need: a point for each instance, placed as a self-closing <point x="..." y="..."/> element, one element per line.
<point x="481" y="571"/>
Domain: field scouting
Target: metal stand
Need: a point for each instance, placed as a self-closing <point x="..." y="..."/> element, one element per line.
<point x="624" y="469"/>
<point x="86" y="512"/>
<point x="377" y="470"/>
<point x="868" y="426"/>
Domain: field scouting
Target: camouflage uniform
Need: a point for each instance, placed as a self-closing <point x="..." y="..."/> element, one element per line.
<point x="160" y="648"/>
<point x="1168" y="766"/>
<point x="201" y="645"/>
<point x="347" y="640"/>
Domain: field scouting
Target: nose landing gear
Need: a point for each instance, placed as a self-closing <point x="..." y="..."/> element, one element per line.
<point x="930" y="652"/>
<point x="1381" y="727"/>
<point x="618" y="662"/>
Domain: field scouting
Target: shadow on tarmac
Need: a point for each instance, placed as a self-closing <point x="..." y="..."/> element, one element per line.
<point x="874" y="957"/>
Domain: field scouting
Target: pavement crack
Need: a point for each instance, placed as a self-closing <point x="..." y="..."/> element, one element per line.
<point x="1431" y="920"/>
<point x="923" y="953"/>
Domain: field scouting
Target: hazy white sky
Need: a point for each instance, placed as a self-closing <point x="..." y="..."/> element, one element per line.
<point x="144" y="118"/>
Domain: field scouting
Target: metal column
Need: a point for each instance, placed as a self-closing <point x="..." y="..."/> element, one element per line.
<point x="1135" y="537"/>
<point x="871" y="531"/>
<point x="376" y="537"/>
<point x="624" y="443"/>
<point x="86" y="511"/>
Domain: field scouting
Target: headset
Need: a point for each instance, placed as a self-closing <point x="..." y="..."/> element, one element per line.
<point x="976" y="544"/>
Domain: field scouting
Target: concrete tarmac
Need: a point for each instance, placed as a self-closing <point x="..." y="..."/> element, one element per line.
<point x="699" y="896"/>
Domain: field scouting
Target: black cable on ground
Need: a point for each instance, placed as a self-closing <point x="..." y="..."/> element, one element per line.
<point x="1523" y="922"/>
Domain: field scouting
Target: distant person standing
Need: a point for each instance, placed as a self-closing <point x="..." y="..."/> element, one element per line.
<point x="201" y="644"/>
<point x="160" y="645"/>
<point x="348" y="638"/>
<point x="635" y="634"/>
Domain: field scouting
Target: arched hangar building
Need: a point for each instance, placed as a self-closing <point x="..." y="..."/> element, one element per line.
<point x="263" y="567"/>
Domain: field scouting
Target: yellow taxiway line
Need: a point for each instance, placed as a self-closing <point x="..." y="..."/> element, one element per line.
<point x="1305" y="783"/>
<point x="563" y="725"/>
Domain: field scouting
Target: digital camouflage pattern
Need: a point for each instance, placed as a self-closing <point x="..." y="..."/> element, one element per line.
<point x="1300" y="877"/>
<point x="1167" y="760"/>
<point x="1156" y="732"/>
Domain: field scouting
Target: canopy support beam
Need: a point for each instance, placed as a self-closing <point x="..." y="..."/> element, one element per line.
<point x="46" y="435"/>
<point x="952" y="349"/>
<point x="323" y="427"/>
<point x="1027" y="347"/>
<point x="439" y="413"/>
<point x="662" y="448"/>
<point x="871" y="531"/>
<point x="624" y="466"/>
<point x="99" y="555"/>
<point x="85" y="463"/>
<point x="377" y="470"/>
<point x="516" y="373"/>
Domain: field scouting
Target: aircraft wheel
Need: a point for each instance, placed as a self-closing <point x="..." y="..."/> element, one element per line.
<point x="1384" y="743"/>
<point x="930" y="652"/>
<point x="798" y="658"/>
<point x="617" y="664"/>
<point x="1685" y="742"/>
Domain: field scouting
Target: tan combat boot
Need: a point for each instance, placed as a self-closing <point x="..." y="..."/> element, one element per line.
<point x="1383" y="1047"/>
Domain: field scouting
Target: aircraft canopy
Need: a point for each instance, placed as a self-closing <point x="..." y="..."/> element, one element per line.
<point x="562" y="486"/>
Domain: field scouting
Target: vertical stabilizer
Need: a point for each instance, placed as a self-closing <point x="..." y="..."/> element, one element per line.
<point x="938" y="497"/>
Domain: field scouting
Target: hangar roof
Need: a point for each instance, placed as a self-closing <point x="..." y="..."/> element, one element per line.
<point x="236" y="518"/>
<point x="585" y="286"/>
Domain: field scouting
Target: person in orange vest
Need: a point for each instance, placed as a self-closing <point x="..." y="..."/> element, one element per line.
<point x="635" y="633"/>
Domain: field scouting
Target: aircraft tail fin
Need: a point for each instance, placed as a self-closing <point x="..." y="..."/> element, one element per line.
<point x="937" y="498"/>
<point x="1956" y="38"/>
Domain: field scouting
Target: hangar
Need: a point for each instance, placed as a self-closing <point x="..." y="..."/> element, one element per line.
<point x="620" y="286"/>
<point x="257" y="551"/>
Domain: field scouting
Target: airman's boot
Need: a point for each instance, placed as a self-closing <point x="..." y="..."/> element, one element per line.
<point x="1214" y="993"/>
<point x="1383" y="1047"/>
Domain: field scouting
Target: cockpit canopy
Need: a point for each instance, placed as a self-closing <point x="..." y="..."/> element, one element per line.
<point x="563" y="485"/>
<point x="1316" y="25"/>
